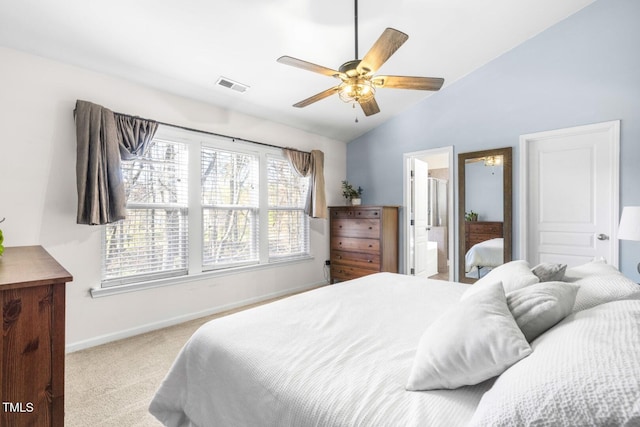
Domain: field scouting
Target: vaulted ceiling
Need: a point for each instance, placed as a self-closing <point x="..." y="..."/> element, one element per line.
<point x="184" y="47"/>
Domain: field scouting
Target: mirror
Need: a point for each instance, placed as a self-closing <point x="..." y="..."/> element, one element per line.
<point x="484" y="212"/>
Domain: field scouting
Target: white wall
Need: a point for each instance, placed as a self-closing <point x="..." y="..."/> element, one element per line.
<point x="38" y="194"/>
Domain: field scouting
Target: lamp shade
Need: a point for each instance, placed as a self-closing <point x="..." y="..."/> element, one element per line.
<point x="629" y="228"/>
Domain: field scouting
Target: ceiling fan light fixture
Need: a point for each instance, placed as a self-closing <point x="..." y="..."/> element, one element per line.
<point x="356" y="90"/>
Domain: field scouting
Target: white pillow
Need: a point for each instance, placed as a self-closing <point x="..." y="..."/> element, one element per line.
<point x="513" y="275"/>
<point x="549" y="272"/>
<point x="596" y="290"/>
<point x="473" y="341"/>
<point x="583" y="372"/>
<point x="538" y="307"/>
<point x="593" y="268"/>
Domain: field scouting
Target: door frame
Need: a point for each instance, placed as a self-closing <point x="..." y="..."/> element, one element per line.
<point x="613" y="130"/>
<point x="406" y="165"/>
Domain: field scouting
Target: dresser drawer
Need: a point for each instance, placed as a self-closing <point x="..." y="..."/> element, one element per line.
<point x="354" y="244"/>
<point x="357" y="227"/>
<point x="342" y="272"/>
<point x="356" y="259"/>
<point x="356" y="213"/>
<point x="484" y="228"/>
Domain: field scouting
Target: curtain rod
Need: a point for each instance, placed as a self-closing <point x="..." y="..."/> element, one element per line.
<point x="211" y="133"/>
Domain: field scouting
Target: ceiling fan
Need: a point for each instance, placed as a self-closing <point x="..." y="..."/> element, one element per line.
<point x="358" y="79"/>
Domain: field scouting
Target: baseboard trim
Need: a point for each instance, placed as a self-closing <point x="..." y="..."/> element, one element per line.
<point x="127" y="333"/>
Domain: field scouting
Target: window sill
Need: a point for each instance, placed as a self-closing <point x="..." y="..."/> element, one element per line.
<point x="100" y="292"/>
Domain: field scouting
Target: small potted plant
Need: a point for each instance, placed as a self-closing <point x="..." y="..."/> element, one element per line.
<point x="471" y="216"/>
<point x="353" y="195"/>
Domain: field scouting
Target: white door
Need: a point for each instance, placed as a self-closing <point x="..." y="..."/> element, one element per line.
<point x="421" y="219"/>
<point x="569" y="202"/>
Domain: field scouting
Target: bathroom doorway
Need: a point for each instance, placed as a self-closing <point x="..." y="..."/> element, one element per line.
<point x="429" y="221"/>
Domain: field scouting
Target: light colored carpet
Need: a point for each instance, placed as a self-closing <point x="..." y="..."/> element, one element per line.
<point x="112" y="384"/>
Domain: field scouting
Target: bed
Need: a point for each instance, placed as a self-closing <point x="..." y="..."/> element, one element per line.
<point x="489" y="254"/>
<point x="390" y="350"/>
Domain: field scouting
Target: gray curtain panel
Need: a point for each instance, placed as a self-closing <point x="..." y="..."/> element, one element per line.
<point x="101" y="196"/>
<point x="134" y="135"/>
<point x="311" y="164"/>
<point x="104" y="138"/>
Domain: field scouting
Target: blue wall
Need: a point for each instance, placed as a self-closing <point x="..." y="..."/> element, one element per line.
<point x="585" y="69"/>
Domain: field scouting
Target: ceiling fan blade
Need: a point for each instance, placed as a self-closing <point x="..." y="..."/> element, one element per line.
<point x="382" y="49"/>
<point x="406" y="82"/>
<point x="369" y="107"/>
<point x="299" y="63"/>
<point x="317" y="97"/>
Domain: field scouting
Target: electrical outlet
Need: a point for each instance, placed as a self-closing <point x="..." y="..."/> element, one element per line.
<point x="327" y="262"/>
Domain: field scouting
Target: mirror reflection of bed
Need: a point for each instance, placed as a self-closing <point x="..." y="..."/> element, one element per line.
<point x="484" y="247"/>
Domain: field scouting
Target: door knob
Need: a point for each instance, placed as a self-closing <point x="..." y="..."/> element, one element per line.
<point x="603" y="237"/>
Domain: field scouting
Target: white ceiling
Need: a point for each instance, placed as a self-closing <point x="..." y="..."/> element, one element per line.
<point x="183" y="46"/>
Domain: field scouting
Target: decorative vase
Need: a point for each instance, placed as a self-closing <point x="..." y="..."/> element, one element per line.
<point x="356" y="202"/>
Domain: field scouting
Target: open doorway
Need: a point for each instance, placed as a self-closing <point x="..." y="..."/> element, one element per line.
<point x="429" y="216"/>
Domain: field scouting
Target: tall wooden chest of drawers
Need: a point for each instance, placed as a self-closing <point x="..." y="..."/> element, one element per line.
<point x="364" y="240"/>
<point x="32" y="297"/>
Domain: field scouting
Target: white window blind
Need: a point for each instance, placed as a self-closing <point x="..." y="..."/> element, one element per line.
<point x="152" y="241"/>
<point x="288" y="223"/>
<point x="230" y="202"/>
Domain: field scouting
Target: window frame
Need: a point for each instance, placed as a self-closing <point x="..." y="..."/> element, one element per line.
<point x="195" y="269"/>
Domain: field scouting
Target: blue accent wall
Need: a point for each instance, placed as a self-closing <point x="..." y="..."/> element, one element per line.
<point x="583" y="70"/>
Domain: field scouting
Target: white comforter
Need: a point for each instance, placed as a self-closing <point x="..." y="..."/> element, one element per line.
<point x="335" y="356"/>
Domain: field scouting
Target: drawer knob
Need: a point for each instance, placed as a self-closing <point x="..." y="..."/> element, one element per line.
<point x="370" y="228"/>
<point x="370" y="246"/>
<point x="369" y="261"/>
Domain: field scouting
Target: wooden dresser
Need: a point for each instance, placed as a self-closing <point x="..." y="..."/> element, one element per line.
<point x="32" y="346"/>
<point x="364" y="240"/>
<point x="481" y="231"/>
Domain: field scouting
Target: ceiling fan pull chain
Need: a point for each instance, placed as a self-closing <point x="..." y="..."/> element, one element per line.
<point x="355" y="111"/>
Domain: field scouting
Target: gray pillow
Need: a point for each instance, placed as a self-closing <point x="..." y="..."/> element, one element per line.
<point x="538" y="307"/>
<point x="549" y="272"/>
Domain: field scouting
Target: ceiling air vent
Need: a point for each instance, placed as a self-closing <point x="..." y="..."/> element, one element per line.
<point x="233" y="85"/>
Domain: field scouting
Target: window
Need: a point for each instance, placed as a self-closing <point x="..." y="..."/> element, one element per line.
<point x="152" y="241"/>
<point x="288" y="223"/>
<point x="198" y="203"/>
<point x="229" y="208"/>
